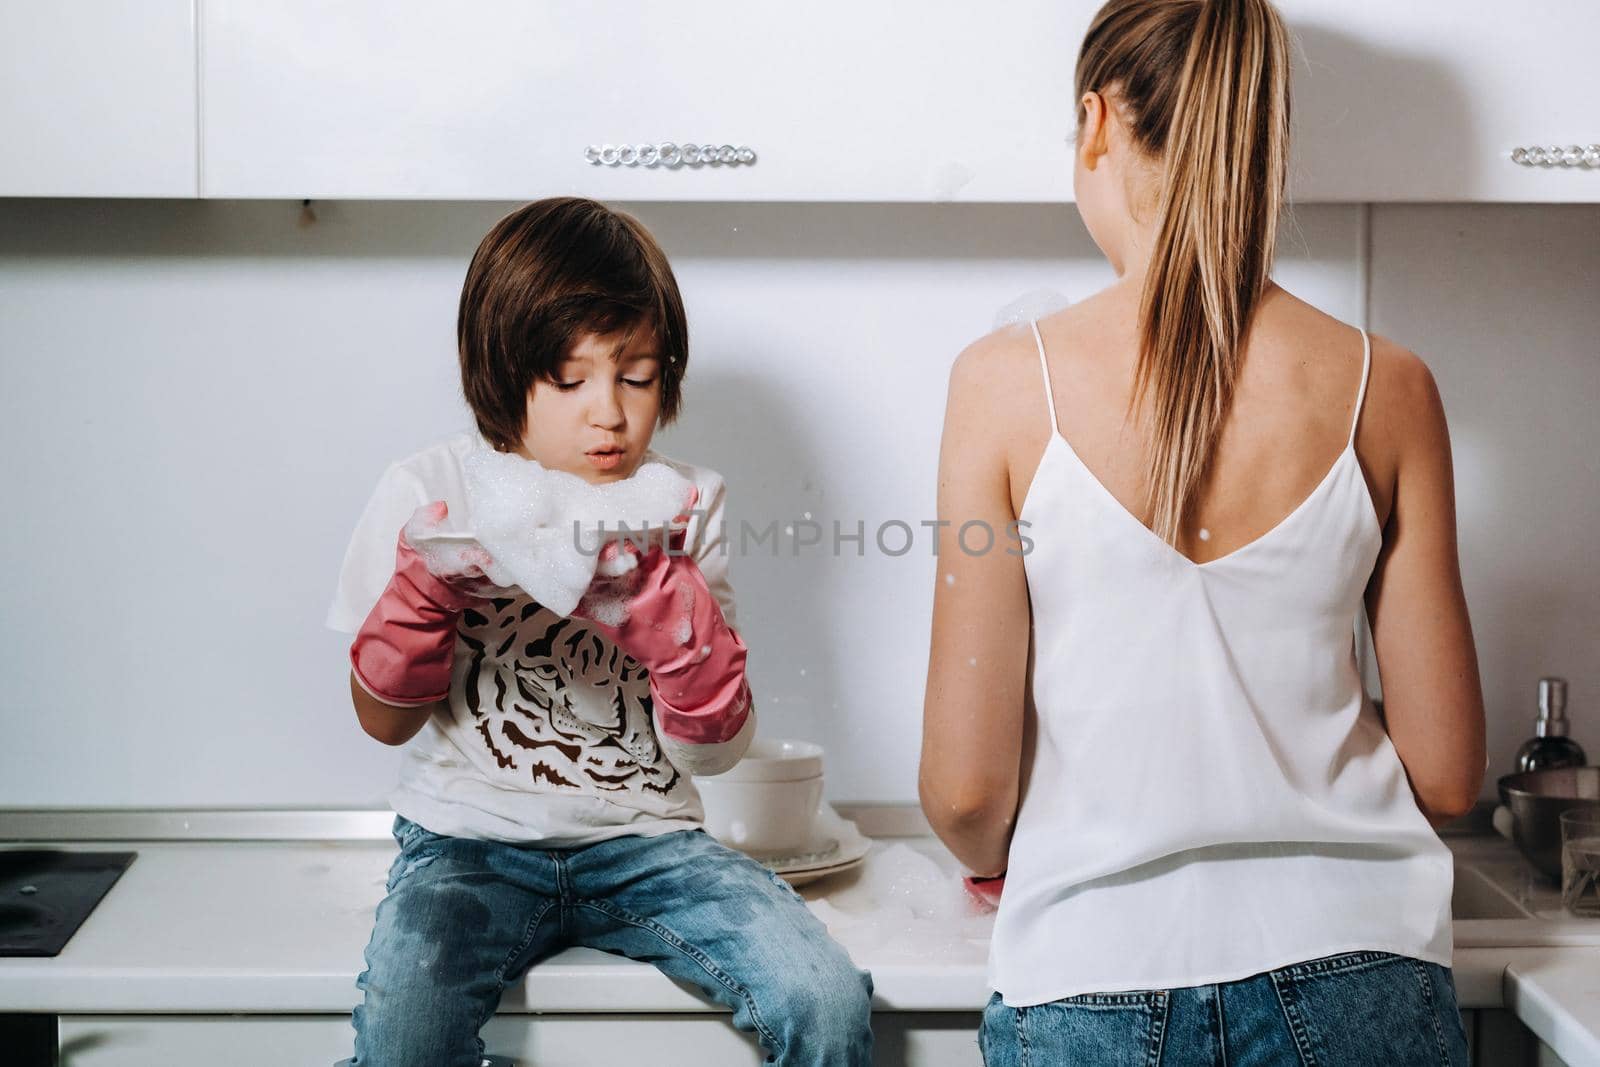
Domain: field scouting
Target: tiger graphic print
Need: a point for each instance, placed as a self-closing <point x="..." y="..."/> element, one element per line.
<point x="554" y="707"/>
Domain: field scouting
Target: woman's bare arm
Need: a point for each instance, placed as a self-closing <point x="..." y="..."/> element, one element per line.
<point x="972" y="722"/>
<point x="1433" y="699"/>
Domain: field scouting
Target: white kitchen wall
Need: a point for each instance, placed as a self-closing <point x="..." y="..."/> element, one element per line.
<point x="1503" y="302"/>
<point x="197" y="397"/>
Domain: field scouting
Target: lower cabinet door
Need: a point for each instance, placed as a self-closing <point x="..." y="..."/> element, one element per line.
<point x="1500" y="1038"/>
<point x="900" y="1039"/>
<point x="933" y="1039"/>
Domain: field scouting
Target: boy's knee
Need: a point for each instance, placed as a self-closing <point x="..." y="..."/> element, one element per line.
<point x="847" y="999"/>
<point x="826" y="1008"/>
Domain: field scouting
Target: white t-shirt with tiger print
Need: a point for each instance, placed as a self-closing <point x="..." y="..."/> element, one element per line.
<point x="548" y="736"/>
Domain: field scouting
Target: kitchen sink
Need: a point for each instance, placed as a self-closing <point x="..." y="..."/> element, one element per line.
<point x="1500" y="901"/>
<point x="1477" y="896"/>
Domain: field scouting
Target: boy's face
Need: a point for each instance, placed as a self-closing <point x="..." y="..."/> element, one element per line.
<point x="596" y="418"/>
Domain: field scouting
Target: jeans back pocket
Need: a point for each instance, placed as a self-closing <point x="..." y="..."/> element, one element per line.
<point x="1372" y="1008"/>
<point x="1105" y="1029"/>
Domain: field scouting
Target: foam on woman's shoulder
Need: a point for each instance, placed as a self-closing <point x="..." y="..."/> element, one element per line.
<point x="1030" y="306"/>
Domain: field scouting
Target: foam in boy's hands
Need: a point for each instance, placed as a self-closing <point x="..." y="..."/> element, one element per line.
<point x="455" y="557"/>
<point x="544" y="529"/>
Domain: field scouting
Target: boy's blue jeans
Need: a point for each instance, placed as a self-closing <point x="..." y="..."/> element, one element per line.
<point x="465" y="918"/>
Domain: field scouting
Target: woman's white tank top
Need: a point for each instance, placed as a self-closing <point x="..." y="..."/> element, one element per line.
<point x="1211" y="794"/>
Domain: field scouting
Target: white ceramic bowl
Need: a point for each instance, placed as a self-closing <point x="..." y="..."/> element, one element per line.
<point x="766" y="804"/>
<point x="776" y="760"/>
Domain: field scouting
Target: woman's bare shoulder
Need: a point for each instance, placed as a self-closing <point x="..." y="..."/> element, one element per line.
<point x="1405" y="404"/>
<point x="1406" y="373"/>
<point x="989" y="369"/>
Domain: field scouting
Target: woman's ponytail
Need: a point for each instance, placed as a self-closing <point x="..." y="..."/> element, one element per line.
<point x="1220" y="124"/>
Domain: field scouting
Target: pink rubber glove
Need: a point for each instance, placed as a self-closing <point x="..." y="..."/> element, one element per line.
<point x="403" y="653"/>
<point x="985" y="890"/>
<point x="664" y="615"/>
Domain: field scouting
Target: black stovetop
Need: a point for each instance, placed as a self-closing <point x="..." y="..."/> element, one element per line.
<point x="46" y="894"/>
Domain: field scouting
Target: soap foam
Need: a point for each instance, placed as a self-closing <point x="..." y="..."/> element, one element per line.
<point x="450" y="554"/>
<point x="1034" y="304"/>
<point x="905" y="905"/>
<point x="533" y="520"/>
<point x="949" y="178"/>
<point x="683" y="632"/>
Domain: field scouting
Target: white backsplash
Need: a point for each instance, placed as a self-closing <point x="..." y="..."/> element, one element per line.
<point x="197" y="398"/>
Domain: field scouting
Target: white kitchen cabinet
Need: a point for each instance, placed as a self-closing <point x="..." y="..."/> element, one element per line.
<point x="98" y="98"/>
<point x="845" y="101"/>
<point x="1426" y="100"/>
<point x="900" y="1039"/>
<point x="664" y="1040"/>
<point x="501" y="98"/>
<point x="1499" y="1039"/>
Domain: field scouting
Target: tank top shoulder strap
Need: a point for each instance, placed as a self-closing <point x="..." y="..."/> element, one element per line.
<point x="1361" y="394"/>
<point x="1049" y="394"/>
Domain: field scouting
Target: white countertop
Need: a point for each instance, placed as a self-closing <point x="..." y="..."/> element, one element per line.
<point x="202" y="927"/>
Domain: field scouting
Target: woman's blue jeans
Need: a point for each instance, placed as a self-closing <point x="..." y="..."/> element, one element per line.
<point x="1351" y="1010"/>
<point x="465" y="918"/>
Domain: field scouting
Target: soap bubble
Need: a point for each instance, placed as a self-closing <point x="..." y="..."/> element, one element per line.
<point x="907" y="904"/>
<point x="525" y="514"/>
<point x="949" y="178"/>
<point x="1034" y="304"/>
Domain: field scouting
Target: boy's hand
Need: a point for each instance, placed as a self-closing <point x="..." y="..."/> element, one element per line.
<point x="457" y="560"/>
<point x="404" y="651"/>
<point x="656" y="607"/>
<point x="618" y="574"/>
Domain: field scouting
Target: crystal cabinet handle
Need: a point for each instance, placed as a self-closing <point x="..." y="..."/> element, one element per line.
<point x="1556" y="156"/>
<point x="667" y="154"/>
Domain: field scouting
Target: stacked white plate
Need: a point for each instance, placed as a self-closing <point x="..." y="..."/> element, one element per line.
<point x="836" y="845"/>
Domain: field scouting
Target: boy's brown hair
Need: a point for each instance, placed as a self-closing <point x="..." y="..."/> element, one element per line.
<point x="546" y="273"/>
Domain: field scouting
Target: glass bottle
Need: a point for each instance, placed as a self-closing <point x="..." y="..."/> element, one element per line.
<point x="1550" y="746"/>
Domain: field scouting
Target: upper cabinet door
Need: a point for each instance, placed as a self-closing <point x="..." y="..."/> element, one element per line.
<point x="844" y="100"/>
<point x="493" y="99"/>
<point x="1428" y="99"/>
<point x="97" y="98"/>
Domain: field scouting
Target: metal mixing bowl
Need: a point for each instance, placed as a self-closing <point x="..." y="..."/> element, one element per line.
<point x="1536" y="800"/>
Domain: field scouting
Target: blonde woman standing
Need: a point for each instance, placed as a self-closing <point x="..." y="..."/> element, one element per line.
<point x="1216" y="849"/>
